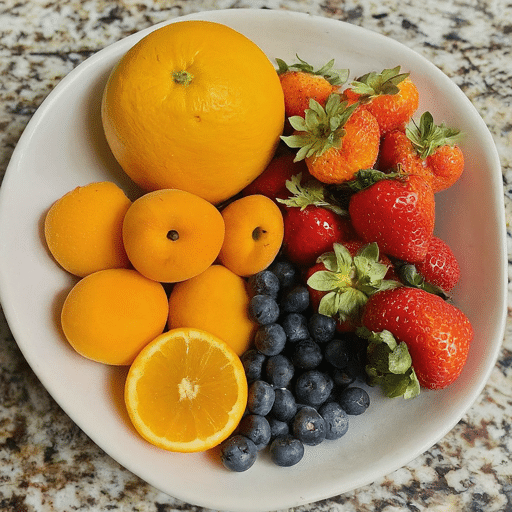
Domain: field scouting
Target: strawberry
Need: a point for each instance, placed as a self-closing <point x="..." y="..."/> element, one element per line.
<point x="272" y="181"/>
<point x="437" y="333"/>
<point x="341" y="281"/>
<point x="390" y="96"/>
<point x="396" y="210"/>
<point x="311" y="224"/>
<point x="426" y="149"/>
<point x="438" y="273"/>
<point x="336" y="141"/>
<point x="301" y="82"/>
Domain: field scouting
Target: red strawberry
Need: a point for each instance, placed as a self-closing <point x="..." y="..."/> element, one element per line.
<point x="390" y="96"/>
<point x="272" y="181"/>
<point x="301" y="82"/>
<point x="437" y="334"/>
<point x="311" y="224"/>
<point x="396" y="211"/>
<point x="438" y="273"/>
<point x="428" y="150"/>
<point x="336" y="141"/>
<point x="341" y="281"/>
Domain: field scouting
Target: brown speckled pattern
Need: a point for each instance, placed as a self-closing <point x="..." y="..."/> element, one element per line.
<point x="46" y="462"/>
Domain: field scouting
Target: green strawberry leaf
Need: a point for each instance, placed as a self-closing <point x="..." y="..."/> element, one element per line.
<point x="410" y="276"/>
<point x="321" y="128"/>
<point x="349" y="280"/>
<point x="427" y="136"/>
<point x="327" y="71"/>
<point x="310" y="194"/>
<point x="389" y="365"/>
<point x="375" y="84"/>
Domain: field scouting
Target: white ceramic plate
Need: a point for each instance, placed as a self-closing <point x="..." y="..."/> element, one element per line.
<point x="64" y="147"/>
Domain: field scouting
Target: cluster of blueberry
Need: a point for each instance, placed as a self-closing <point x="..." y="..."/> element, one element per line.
<point x="301" y="375"/>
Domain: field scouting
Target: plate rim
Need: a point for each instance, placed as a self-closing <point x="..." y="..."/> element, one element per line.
<point x="91" y="61"/>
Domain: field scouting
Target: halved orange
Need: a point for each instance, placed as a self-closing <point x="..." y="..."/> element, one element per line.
<point x="186" y="391"/>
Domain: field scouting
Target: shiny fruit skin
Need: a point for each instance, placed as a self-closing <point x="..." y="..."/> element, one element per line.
<point x="438" y="334"/>
<point x="110" y="315"/>
<point x="441" y="169"/>
<point x="216" y="301"/>
<point x="311" y="231"/>
<point x="254" y="232"/>
<point x="359" y="149"/>
<point x="440" y="266"/>
<point x="194" y="105"/>
<point x="171" y="235"/>
<point x="83" y="229"/>
<point x="398" y="214"/>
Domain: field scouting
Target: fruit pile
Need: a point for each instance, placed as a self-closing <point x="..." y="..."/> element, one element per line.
<point x="303" y="376"/>
<point x="265" y="264"/>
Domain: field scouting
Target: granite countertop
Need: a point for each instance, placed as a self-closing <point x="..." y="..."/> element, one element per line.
<point x="46" y="462"/>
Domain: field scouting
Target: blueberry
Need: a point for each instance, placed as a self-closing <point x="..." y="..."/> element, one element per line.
<point x="354" y="400"/>
<point x="343" y="377"/>
<point x="285" y="406"/>
<point x="313" y="387"/>
<point x="279" y="371"/>
<point x="286" y="451"/>
<point x="336" y="420"/>
<point x="321" y="327"/>
<point x="295" y="300"/>
<point x="264" y="283"/>
<point x="238" y="453"/>
<point x="307" y="354"/>
<point x="295" y="326"/>
<point x="253" y="362"/>
<point x="260" y="397"/>
<point x="285" y="271"/>
<point x="309" y="427"/>
<point x="256" y="428"/>
<point x="337" y="353"/>
<point x="277" y="427"/>
<point x="263" y="309"/>
<point x="270" y="339"/>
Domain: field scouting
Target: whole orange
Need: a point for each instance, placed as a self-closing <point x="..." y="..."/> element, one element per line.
<point x="171" y="235"/>
<point x="194" y="105"/>
<point x="216" y="301"/>
<point x="254" y="234"/>
<point x="110" y="315"/>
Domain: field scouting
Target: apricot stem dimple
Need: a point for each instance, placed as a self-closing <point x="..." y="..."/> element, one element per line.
<point x="173" y="235"/>
<point x="182" y="77"/>
<point x="257" y="232"/>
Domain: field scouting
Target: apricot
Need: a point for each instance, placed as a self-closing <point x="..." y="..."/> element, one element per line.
<point x="83" y="229"/>
<point x="171" y="235"/>
<point x="215" y="301"/>
<point x="110" y="315"/>
<point x="254" y="234"/>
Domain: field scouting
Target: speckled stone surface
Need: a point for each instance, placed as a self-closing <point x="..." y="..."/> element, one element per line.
<point x="46" y="462"/>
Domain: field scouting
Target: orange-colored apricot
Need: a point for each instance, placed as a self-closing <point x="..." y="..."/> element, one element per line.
<point x="215" y="301"/>
<point x="171" y="235"/>
<point x="110" y="315"/>
<point x="83" y="229"/>
<point x="254" y="234"/>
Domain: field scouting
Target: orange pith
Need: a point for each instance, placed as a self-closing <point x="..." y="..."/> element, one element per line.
<point x="186" y="391"/>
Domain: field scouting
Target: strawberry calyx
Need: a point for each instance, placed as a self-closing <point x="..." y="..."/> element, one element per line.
<point x="426" y="136"/>
<point x="311" y="193"/>
<point x="410" y="276"/>
<point x="349" y="281"/>
<point x="375" y="84"/>
<point x="321" y="128"/>
<point x="389" y="364"/>
<point x="327" y="71"/>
